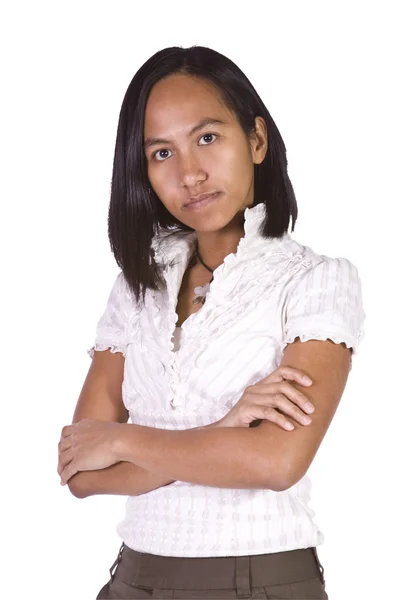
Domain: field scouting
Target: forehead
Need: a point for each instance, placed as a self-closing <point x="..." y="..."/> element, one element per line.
<point x="182" y="99"/>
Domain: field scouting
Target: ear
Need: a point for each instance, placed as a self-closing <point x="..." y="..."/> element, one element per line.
<point x="259" y="141"/>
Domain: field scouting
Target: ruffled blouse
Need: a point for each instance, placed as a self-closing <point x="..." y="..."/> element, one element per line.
<point x="264" y="296"/>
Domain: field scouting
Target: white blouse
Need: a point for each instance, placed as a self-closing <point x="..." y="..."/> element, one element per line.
<point x="176" y="338"/>
<point x="262" y="297"/>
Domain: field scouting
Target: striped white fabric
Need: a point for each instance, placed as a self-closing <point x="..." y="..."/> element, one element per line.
<point x="262" y="297"/>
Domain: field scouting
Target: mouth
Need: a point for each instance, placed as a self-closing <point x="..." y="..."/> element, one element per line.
<point x="201" y="201"/>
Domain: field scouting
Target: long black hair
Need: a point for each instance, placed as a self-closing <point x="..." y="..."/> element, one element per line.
<point x="136" y="213"/>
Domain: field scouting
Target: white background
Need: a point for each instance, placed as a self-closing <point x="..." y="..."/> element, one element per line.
<point x="328" y="73"/>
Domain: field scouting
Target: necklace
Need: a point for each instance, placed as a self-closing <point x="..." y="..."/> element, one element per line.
<point x="201" y="290"/>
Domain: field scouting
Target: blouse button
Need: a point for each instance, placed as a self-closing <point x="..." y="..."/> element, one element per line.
<point x="178" y="401"/>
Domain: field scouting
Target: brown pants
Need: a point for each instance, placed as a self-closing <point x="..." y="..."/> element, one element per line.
<point x="296" y="574"/>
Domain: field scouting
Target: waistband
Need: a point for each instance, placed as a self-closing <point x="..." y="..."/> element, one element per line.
<point x="181" y="573"/>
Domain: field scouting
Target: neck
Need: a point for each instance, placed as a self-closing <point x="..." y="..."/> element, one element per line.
<point x="214" y="246"/>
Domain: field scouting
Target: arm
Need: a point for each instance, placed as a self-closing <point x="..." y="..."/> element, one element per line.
<point x="252" y="458"/>
<point x="328" y="364"/>
<point x="101" y="398"/>
<point x="122" y="478"/>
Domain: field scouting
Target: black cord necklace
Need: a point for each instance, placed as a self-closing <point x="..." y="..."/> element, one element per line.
<point x="201" y="291"/>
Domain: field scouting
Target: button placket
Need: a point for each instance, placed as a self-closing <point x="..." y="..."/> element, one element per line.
<point x="178" y="391"/>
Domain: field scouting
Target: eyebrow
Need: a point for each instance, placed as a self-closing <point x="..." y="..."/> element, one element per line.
<point x="207" y="121"/>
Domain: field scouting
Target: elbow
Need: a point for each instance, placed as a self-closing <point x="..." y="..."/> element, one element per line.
<point x="76" y="488"/>
<point x="282" y="476"/>
<point x="279" y="484"/>
<point x="77" y="492"/>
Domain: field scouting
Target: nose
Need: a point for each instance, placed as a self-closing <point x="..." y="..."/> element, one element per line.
<point x="191" y="171"/>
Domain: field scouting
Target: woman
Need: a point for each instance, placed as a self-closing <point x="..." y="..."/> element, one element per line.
<point x="214" y="319"/>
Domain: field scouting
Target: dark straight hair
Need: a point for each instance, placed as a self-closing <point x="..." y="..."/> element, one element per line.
<point x="136" y="213"/>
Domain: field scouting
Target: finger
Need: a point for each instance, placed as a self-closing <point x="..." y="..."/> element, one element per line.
<point x="67" y="430"/>
<point x="287" y="389"/>
<point x="296" y="396"/>
<point x="287" y="407"/>
<point x="68" y="472"/>
<point x="284" y="372"/>
<point x="266" y="413"/>
<point x="64" y="444"/>
<point x="64" y="459"/>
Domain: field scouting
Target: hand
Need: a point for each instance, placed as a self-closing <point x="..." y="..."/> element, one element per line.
<point x="87" y="446"/>
<point x="267" y="397"/>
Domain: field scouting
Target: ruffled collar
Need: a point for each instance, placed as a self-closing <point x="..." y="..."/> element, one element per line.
<point x="172" y="245"/>
<point x="253" y="218"/>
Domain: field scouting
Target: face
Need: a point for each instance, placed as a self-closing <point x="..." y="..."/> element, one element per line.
<point x="195" y="145"/>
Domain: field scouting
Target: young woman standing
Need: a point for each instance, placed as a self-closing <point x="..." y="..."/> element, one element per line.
<point x="214" y="319"/>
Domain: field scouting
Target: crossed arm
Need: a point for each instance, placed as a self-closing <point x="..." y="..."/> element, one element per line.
<point x="278" y="459"/>
<point x="101" y="398"/>
<point x="122" y="478"/>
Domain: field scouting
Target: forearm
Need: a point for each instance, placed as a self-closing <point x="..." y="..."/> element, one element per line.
<point x="225" y="457"/>
<point x="123" y="478"/>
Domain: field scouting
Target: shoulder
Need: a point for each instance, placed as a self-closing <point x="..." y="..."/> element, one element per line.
<point x="120" y="291"/>
<point x="320" y="274"/>
<point x="337" y="274"/>
<point x="324" y="300"/>
<point x="315" y="268"/>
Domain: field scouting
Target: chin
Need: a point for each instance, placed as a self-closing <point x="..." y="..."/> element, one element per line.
<point x="211" y="226"/>
<point x="218" y="221"/>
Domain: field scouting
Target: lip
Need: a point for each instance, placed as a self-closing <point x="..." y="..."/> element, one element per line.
<point x="201" y="200"/>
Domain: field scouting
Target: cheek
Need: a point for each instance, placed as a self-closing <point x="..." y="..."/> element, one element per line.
<point x="237" y="165"/>
<point x="235" y="154"/>
<point x="153" y="176"/>
<point x="162" y="180"/>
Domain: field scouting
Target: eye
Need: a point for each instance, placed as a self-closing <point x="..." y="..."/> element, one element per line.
<point x="207" y="135"/>
<point x="155" y="154"/>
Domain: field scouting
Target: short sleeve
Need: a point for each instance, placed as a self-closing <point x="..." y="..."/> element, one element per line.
<point x="111" y="330"/>
<point x="326" y="302"/>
